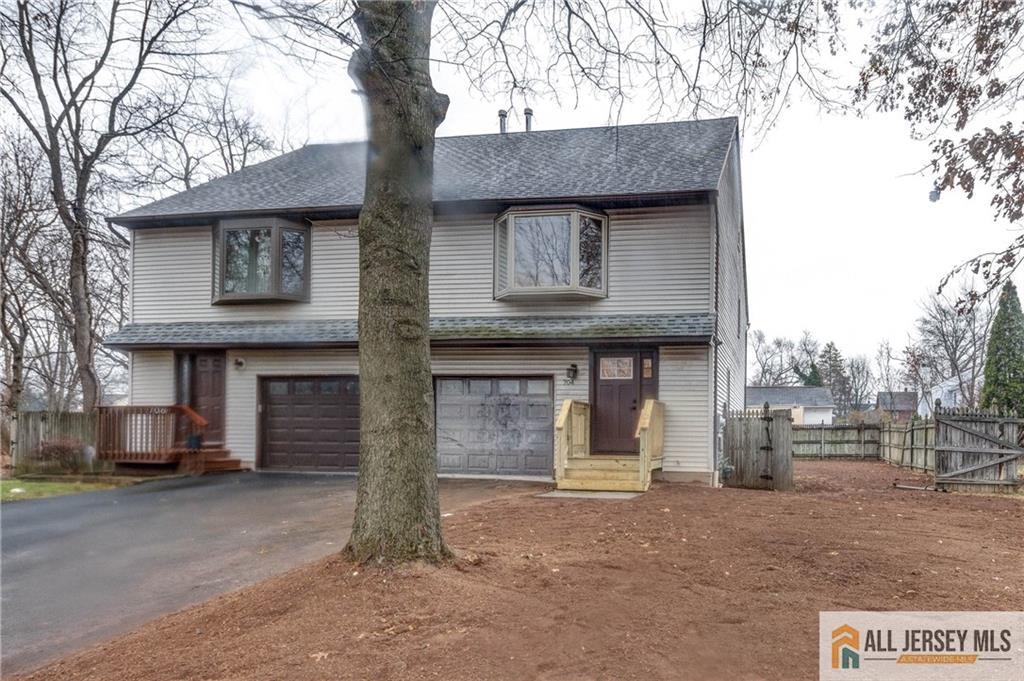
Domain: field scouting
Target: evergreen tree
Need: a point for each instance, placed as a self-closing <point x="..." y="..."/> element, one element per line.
<point x="1004" y="363"/>
<point x="811" y="377"/>
<point x="832" y="368"/>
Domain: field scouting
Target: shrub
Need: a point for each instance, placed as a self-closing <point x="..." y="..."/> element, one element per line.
<point x="64" y="455"/>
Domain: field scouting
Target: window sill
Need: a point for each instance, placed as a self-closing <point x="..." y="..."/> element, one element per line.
<point x="551" y="293"/>
<point x="258" y="299"/>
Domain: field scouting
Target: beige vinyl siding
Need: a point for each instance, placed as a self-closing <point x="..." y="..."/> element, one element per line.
<point x="151" y="378"/>
<point x="242" y="425"/>
<point x="658" y="262"/>
<point x="683" y="385"/>
<point x="732" y="352"/>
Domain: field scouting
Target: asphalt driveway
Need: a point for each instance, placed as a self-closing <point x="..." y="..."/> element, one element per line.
<point x="79" y="569"/>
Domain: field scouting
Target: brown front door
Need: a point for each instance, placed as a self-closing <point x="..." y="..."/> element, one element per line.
<point x="201" y="386"/>
<point x="622" y="380"/>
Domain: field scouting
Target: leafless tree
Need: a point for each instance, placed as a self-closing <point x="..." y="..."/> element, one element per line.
<point x="950" y="344"/>
<point x="956" y="69"/>
<point x="773" y="360"/>
<point x="209" y="137"/>
<point x="861" y="380"/>
<point x="87" y="80"/>
<point x="24" y="207"/>
<point x="887" y="368"/>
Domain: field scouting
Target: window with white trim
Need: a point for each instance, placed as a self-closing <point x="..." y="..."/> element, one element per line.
<point x="550" y="252"/>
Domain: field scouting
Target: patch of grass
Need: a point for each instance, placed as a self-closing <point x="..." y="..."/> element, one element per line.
<point x="16" y="489"/>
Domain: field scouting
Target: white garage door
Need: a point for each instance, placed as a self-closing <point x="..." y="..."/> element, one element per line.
<point x="495" y="425"/>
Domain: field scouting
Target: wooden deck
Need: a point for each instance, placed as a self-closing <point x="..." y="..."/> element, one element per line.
<point x="577" y="468"/>
<point x="159" y="437"/>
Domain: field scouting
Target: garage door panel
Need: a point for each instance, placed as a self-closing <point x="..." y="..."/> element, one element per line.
<point x="311" y="423"/>
<point x="495" y="425"/>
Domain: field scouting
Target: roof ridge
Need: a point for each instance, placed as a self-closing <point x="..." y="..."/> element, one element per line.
<point x="533" y="132"/>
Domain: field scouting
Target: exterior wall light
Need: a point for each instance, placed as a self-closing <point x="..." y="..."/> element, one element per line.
<point x="571" y="373"/>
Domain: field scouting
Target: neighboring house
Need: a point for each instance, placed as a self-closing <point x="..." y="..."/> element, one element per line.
<point x="947" y="391"/>
<point x="809" y="404"/>
<point x="897" y="406"/>
<point x="604" y="265"/>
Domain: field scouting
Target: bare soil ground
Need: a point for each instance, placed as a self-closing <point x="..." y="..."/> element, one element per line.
<point x="681" y="583"/>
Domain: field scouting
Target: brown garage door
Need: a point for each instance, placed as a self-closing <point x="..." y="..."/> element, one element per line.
<point x="310" y="423"/>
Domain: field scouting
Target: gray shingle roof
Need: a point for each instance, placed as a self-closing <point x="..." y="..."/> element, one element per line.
<point x="797" y="395"/>
<point x="327" y="332"/>
<point x="896" y="401"/>
<point x="626" y="160"/>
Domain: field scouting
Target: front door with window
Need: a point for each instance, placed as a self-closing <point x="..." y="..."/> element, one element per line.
<point x="623" y="379"/>
<point x="201" y="378"/>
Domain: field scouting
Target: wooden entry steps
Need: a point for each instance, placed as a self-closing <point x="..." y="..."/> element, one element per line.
<point x="605" y="473"/>
<point x="209" y="460"/>
<point x="577" y="468"/>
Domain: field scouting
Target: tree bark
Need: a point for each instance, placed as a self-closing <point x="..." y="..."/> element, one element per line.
<point x="397" y="513"/>
<point x="81" y="310"/>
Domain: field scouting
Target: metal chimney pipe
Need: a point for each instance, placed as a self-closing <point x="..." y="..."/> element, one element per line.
<point x="503" y="121"/>
<point x="528" y="112"/>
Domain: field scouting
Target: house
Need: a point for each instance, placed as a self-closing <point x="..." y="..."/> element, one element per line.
<point x="947" y="391"/>
<point x="595" y="270"/>
<point x="898" y="405"/>
<point x="809" y="404"/>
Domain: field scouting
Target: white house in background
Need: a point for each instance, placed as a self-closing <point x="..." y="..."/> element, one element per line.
<point x="597" y="265"/>
<point x="948" y="392"/>
<point x="810" y="405"/>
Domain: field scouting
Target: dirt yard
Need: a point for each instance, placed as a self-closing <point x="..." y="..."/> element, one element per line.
<point x="681" y="583"/>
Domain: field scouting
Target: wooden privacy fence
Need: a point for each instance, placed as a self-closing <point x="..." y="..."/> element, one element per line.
<point x="909" y="445"/>
<point x="758" y="446"/>
<point x="31" y="428"/>
<point x="977" y="450"/>
<point x="835" y="442"/>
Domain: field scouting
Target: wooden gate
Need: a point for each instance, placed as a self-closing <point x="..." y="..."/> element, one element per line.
<point x="976" y="450"/>
<point x="758" y="448"/>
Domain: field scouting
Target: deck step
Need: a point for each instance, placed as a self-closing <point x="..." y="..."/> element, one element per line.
<point x="223" y="465"/>
<point x="601" y="474"/>
<point x="611" y="463"/>
<point x="601" y="485"/>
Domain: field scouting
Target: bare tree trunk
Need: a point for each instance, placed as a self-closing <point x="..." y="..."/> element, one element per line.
<point x="397" y="513"/>
<point x="81" y="311"/>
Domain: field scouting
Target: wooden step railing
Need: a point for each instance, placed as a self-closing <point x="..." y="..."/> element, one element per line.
<point x="572" y="434"/>
<point x="650" y="430"/>
<point x="147" y="434"/>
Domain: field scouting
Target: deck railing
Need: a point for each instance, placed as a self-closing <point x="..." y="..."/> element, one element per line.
<point x="650" y="430"/>
<point x="147" y="434"/>
<point x="572" y="434"/>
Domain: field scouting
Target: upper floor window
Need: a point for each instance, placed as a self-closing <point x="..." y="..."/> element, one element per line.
<point x="265" y="260"/>
<point x="550" y="252"/>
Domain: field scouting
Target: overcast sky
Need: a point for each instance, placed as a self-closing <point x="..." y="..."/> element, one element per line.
<point x="842" y="239"/>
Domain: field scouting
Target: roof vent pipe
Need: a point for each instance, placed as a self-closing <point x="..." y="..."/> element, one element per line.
<point x="503" y="121"/>
<point x="528" y="112"/>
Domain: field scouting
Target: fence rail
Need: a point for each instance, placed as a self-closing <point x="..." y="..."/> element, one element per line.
<point x="909" y="445"/>
<point x="33" y="428"/>
<point x="836" y="442"/>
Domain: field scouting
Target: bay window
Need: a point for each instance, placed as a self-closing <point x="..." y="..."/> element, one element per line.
<point x="550" y="252"/>
<point x="260" y="261"/>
